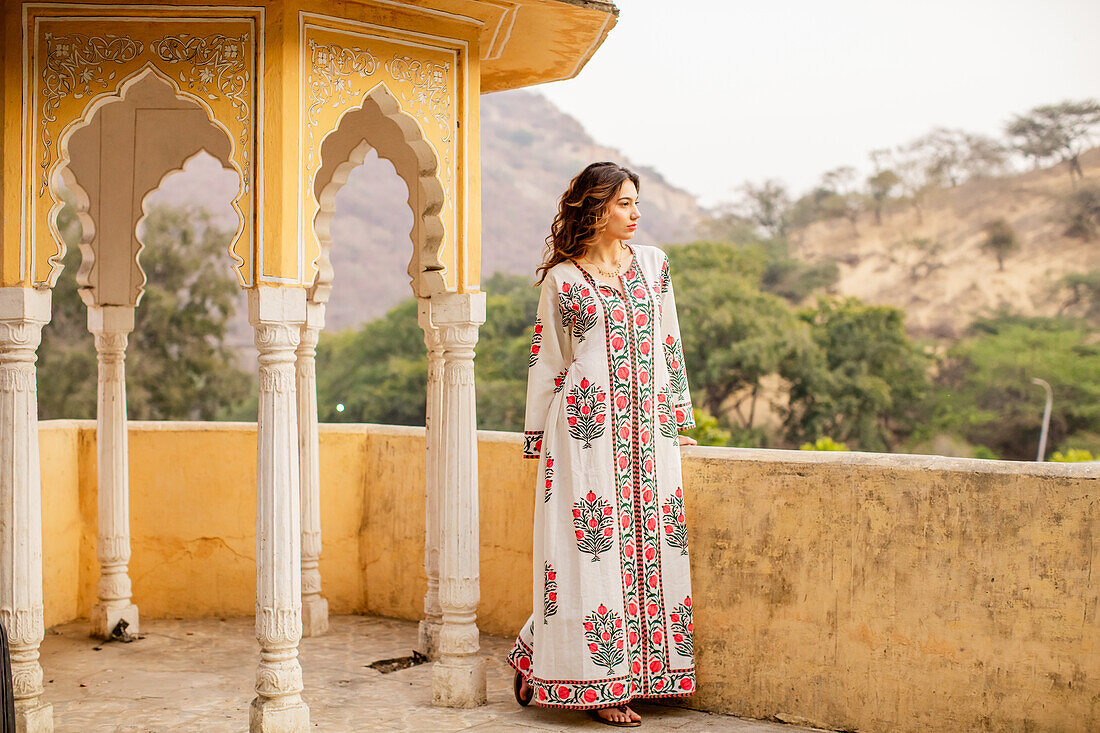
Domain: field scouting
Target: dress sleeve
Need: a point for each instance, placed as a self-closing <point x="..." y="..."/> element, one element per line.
<point x="551" y="355"/>
<point x="674" y="352"/>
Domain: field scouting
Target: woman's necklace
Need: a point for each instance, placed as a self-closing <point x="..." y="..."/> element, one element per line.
<point x="618" y="265"/>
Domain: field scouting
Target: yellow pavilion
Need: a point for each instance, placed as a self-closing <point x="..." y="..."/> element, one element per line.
<point x="107" y="99"/>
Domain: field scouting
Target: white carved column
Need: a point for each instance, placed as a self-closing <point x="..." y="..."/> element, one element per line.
<point x="277" y="315"/>
<point x="23" y="312"/>
<point x="458" y="679"/>
<point x="314" y="606"/>
<point x="110" y="326"/>
<point x="428" y="637"/>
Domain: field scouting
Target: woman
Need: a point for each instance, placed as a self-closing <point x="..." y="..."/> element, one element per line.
<point x="607" y="395"/>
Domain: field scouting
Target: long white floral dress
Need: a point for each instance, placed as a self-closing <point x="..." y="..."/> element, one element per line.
<point x="607" y="394"/>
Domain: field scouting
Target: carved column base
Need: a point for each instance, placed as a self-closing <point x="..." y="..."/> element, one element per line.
<point x="106" y="617"/>
<point x="277" y="716"/>
<point x="314" y="615"/>
<point x="459" y="685"/>
<point x="37" y="717"/>
<point x="427" y="638"/>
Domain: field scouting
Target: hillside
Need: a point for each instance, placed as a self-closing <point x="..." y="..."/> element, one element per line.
<point x="934" y="267"/>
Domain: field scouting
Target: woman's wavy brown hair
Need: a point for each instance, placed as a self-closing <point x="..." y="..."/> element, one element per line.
<point x="583" y="212"/>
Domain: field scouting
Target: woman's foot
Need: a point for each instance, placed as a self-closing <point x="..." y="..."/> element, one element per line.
<point x="523" y="691"/>
<point x="619" y="715"/>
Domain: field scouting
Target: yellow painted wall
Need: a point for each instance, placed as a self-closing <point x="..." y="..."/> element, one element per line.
<point x="879" y="593"/>
<point x="62" y="521"/>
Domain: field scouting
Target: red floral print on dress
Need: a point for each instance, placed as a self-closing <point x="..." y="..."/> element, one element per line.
<point x="672" y="514"/>
<point x="536" y="342"/>
<point x="579" y="311"/>
<point x="594" y="525"/>
<point x="603" y="630"/>
<point x="549" y="593"/>
<point x="549" y="476"/>
<point x="586" y="412"/>
<point x="682" y="629"/>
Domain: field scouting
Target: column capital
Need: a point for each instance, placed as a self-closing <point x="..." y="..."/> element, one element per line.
<point x="276" y="306"/>
<point x="110" y="318"/>
<point x="458" y="309"/>
<point x="315" y="315"/>
<point x="25" y="304"/>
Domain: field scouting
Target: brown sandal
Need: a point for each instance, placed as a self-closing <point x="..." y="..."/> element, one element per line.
<point x="613" y="723"/>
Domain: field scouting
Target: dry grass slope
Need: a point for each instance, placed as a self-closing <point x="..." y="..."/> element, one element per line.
<point x="933" y="266"/>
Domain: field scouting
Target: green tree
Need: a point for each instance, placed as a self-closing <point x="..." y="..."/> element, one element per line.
<point x="845" y="200"/>
<point x="954" y="156"/>
<point x="791" y="279"/>
<point x="880" y="186"/>
<point x="863" y="382"/>
<point x="767" y="206"/>
<point x="1081" y="295"/>
<point x="1000" y="240"/>
<point x="504" y="351"/>
<point x="984" y="391"/>
<point x="734" y="334"/>
<point x="378" y="372"/>
<point x="1056" y="131"/>
<point x="178" y="366"/>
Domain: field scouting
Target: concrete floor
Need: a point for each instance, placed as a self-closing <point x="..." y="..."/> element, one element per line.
<point x="196" y="675"/>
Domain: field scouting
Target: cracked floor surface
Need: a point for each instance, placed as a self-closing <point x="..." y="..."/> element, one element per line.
<point x="197" y="674"/>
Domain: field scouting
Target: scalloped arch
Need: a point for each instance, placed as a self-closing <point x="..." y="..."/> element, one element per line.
<point x="381" y="124"/>
<point x="64" y="171"/>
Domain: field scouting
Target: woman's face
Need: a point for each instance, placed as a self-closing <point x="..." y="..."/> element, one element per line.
<point x="624" y="215"/>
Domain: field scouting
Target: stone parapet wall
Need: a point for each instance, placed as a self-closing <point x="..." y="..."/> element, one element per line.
<point x="855" y="591"/>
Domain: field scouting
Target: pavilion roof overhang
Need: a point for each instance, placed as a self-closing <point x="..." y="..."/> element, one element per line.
<point x="526" y="42"/>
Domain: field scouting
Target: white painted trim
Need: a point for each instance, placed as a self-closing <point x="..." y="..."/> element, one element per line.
<point x="509" y="9"/>
<point x="258" y="190"/>
<point x="130" y="8"/>
<point x="465" y="173"/>
<point x="375" y="26"/>
<point x="592" y="48"/>
<point x="431" y="11"/>
<point x="25" y="163"/>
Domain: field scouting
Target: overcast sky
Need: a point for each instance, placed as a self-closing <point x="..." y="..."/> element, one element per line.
<point x="715" y="92"/>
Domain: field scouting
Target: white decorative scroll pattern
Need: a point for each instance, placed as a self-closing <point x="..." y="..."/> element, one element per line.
<point x="77" y="66"/>
<point x="217" y="62"/>
<point x="431" y="102"/>
<point x="331" y="66"/>
<point x="429" y="80"/>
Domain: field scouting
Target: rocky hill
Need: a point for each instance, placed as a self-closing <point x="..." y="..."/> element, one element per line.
<point x="932" y="264"/>
<point x="530" y="150"/>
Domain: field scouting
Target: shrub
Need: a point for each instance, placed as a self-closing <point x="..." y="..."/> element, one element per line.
<point x="1081" y="213"/>
<point x="1072" y="455"/>
<point x="825" y="443"/>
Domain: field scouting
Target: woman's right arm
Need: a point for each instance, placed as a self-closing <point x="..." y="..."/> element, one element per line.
<point x="551" y="355"/>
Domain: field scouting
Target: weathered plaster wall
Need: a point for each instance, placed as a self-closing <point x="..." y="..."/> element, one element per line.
<point x="878" y="593"/>
<point x="896" y="593"/>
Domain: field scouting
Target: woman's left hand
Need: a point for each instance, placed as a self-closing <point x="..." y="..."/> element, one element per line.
<point x="685" y="440"/>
